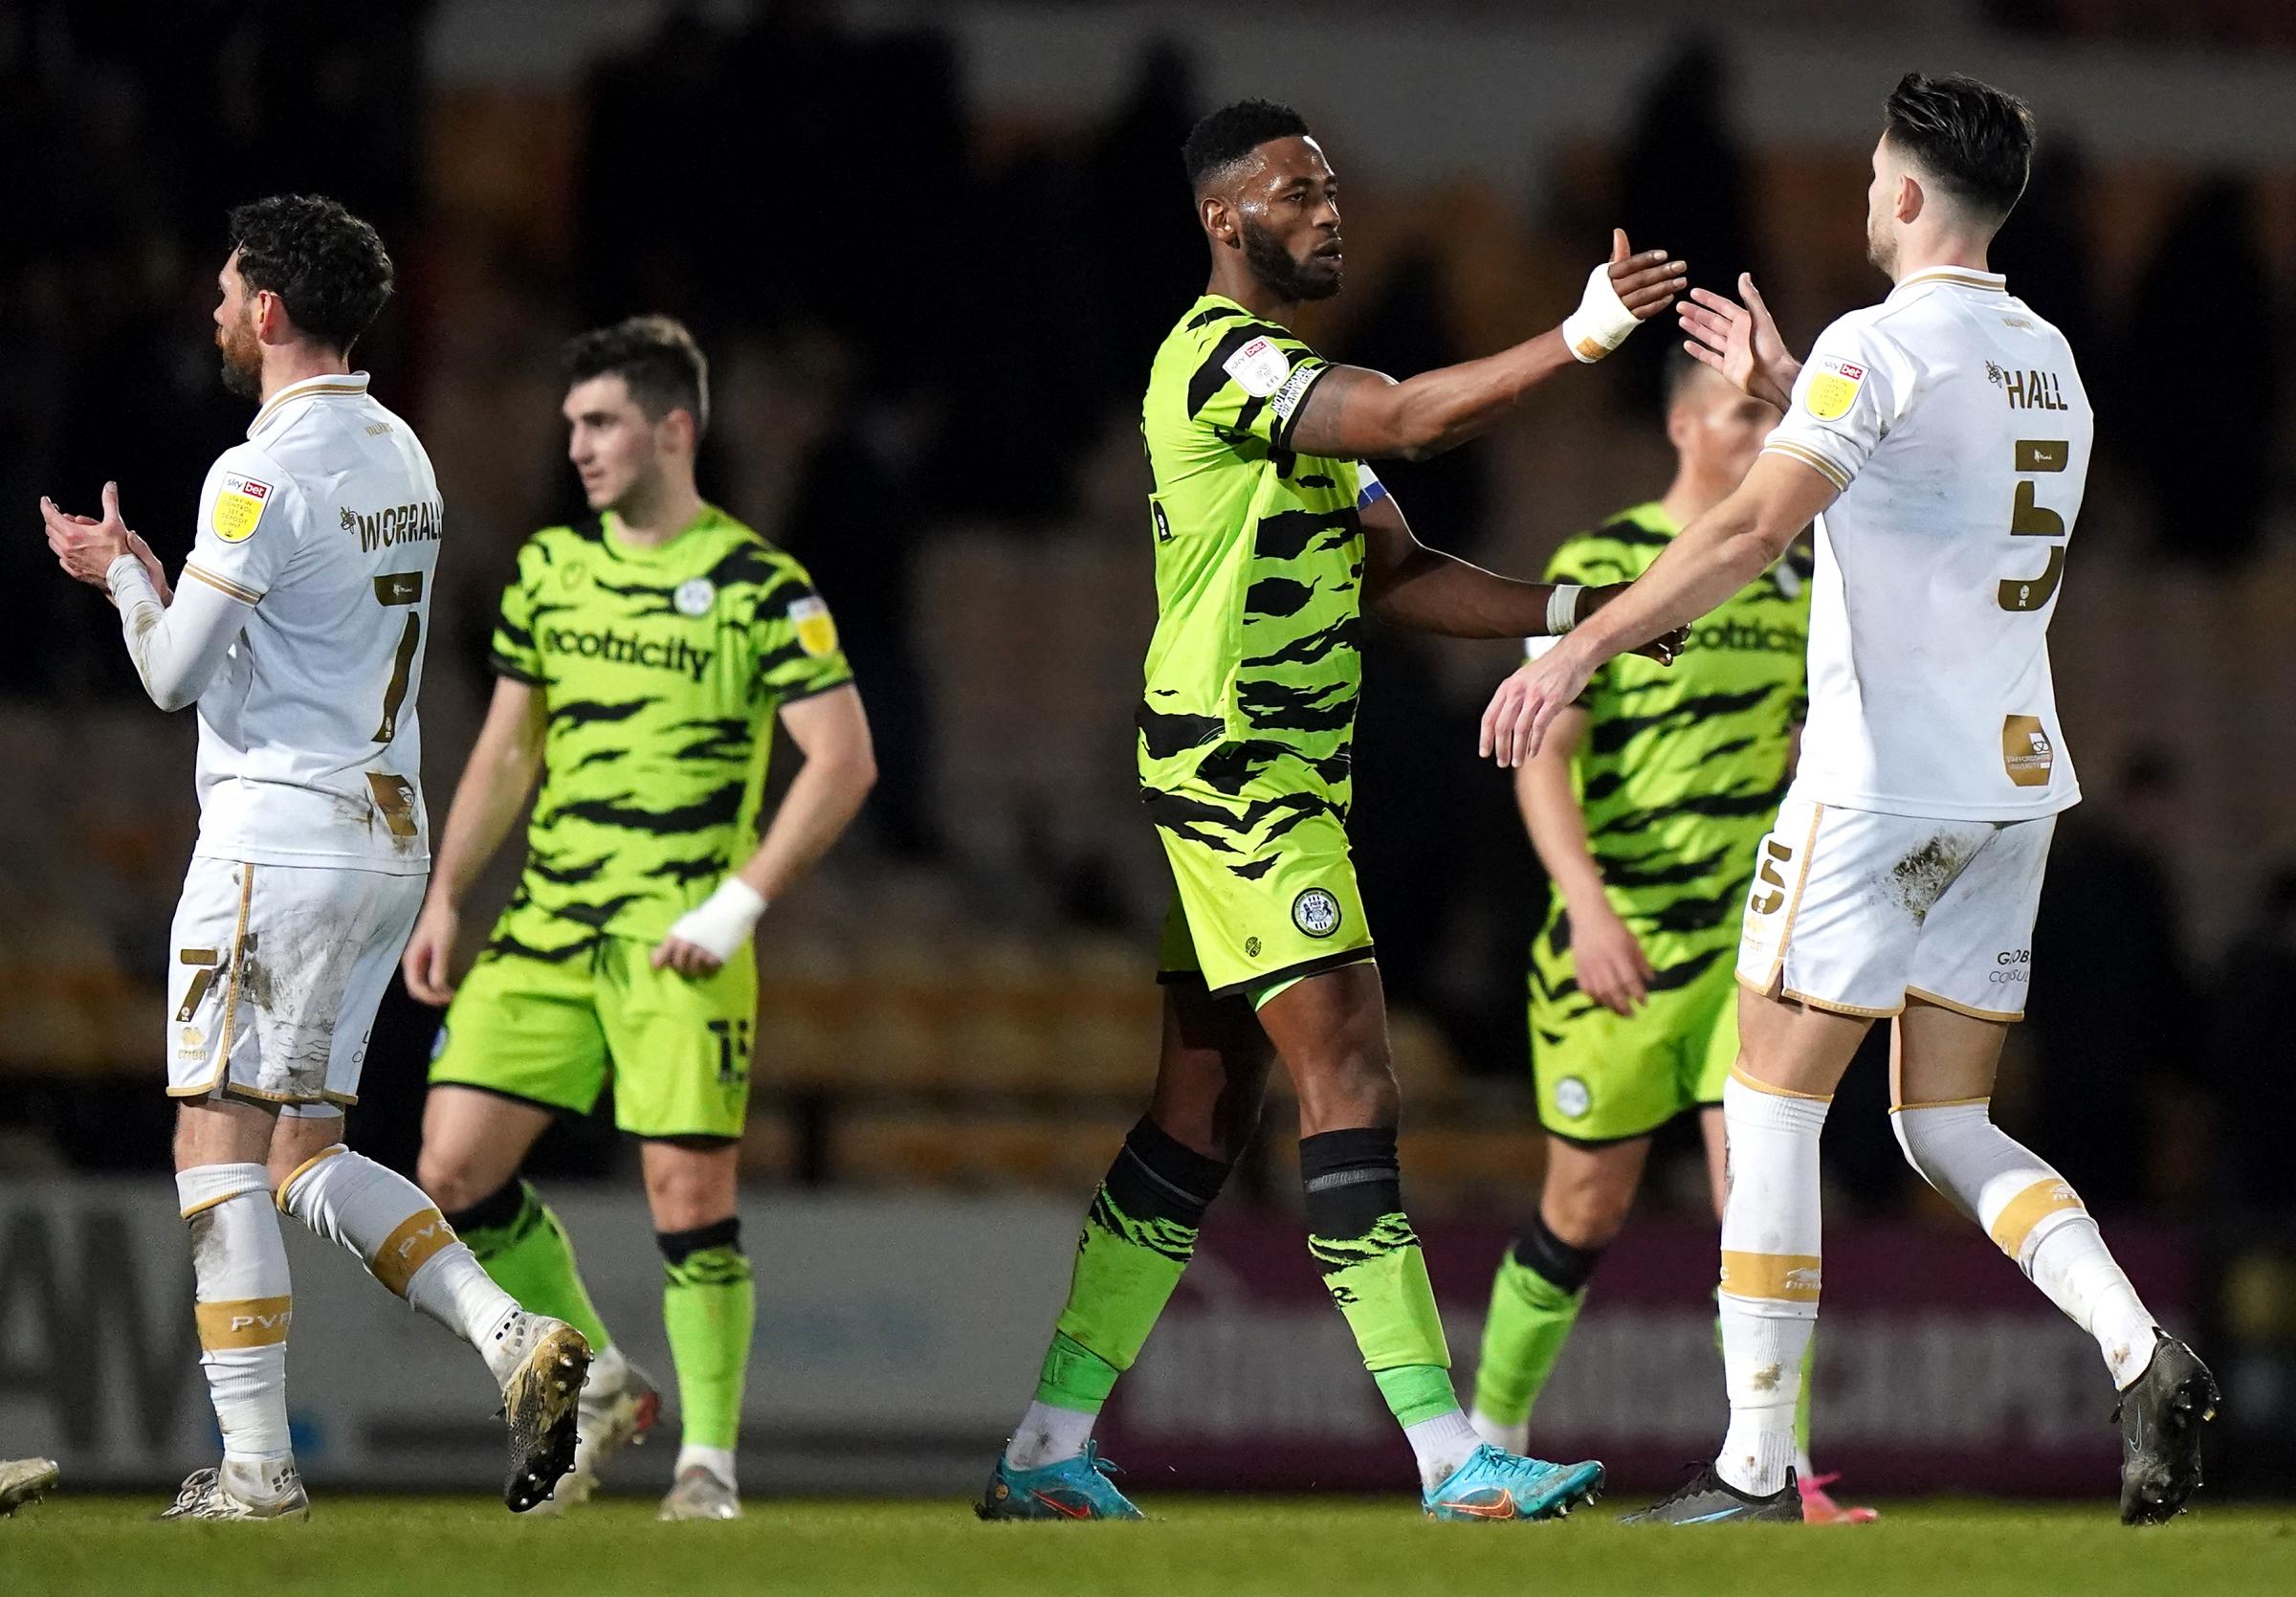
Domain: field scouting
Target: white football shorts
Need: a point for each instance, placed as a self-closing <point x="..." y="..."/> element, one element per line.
<point x="1856" y="911"/>
<point x="276" y="973"/>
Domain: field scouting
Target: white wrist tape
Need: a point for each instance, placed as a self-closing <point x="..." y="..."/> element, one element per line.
<point x="1562" y="607"/>
<point x="723" y="921"/>
<point x="1601" y="322"/>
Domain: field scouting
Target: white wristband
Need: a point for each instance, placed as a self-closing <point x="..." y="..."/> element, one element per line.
<point x="1601" y="322"/>
<point x="723" y="921"/>
<point x="1562" y="607"/>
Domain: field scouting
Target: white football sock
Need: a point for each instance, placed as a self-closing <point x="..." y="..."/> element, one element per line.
<point x="399" y="1234"/>
<point x="718" y="1461"/>
<point x="1499" y="1433"/>
<point x="609" y="1369"/>
<point x="1441" y="1445"/>
<point x="1771" y="1274"/>
<point x="1047" y="1436"/>
<point x="243" y="1306"/>
<point x="2034" y="1215"/>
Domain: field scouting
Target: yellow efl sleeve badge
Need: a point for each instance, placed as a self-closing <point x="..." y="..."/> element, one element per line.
<point x="239" y="506"/>
<point x="1832" y="392"/>
<point x="816" y="631"/>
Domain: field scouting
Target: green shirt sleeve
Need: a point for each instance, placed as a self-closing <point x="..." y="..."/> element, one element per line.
<point x="1252" y="381"/>
<point x="514" y="652"/>
<point x="798" y="650"/>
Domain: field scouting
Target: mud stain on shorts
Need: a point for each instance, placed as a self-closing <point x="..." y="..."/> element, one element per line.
<point x="1920" y="878"/>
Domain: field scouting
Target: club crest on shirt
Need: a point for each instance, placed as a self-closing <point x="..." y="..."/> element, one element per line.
<point x="1259" y="368"/>
<point x="1834" y="386"/>
<point x="695" y="596"/>
<point x="816" y="630"/>
<point x="239" y="506"/>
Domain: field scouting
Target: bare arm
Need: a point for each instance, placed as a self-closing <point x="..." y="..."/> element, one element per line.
<point x="1408" y="585"/>
<point x="1713" y="558"/>
<point x="493" y="787"/>
<point x="1405" y="584"/>
<point x="831" y="730"/>
<point x="1355" y="413"/>
<point x="1611" y="967"/>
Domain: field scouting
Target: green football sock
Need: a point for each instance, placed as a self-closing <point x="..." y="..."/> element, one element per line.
<point x="1138" y="1237"/>
<point x="529" y="1256"/>
<point x="708" y="1305"/>
<point x="1802" y="1402"/>
<point x="1374" y="1269"/>
<point x="1530" y="1320"/>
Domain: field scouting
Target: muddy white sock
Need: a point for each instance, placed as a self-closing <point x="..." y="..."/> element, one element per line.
<point x="718" y="1461"/>
<point x="242" y="1306"/>
<point x="1047" y="1436"/>
<point x="1767" y="1303"/>
<point x="401" y="1238"/>
<point x="1441" y="1445"/>
<point x="2034" y="1215"/>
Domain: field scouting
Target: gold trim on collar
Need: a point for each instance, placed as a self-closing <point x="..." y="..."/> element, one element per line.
<point x="1992" y="280"/>
<point x="307" y="388"/>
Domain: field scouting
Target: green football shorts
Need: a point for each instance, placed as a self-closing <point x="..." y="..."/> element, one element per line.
<point x="1252" y="923"/>
<point x="551" y="1032"/>
<point x="1605" y="1078"/>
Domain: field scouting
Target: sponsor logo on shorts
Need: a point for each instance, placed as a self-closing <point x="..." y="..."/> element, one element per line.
<point x="1251" y="947"/>
<point x="192" y="1043"/>
<point x="438" y="1044"/>
<point x="695" y="596"/>
<point x="2010" y="967"/>
<point x="1315" y="912"/>
<point x="1572" y="1097"/>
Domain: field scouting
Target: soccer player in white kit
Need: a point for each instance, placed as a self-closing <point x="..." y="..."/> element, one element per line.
<point x="1940" y="441"/>
<point x="298" y="630"/>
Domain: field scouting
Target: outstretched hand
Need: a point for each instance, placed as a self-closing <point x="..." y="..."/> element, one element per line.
<point x="1740" y="342"/>
<point x="1647" y="284"/>
<point x="1515" y="722"/>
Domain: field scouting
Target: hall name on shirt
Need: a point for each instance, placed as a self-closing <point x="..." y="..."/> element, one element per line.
<point x="2027" y="390"/>
<point x="402" y="523"/>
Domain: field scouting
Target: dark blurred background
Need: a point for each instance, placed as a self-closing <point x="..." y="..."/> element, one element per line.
<point x="929" y="249"/>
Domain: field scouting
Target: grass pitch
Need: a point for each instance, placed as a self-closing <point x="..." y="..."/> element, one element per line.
<point x="433" y="1547"/>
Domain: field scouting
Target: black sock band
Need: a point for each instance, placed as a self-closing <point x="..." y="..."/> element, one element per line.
<point x="1556" y="1262"/>
<point x="679" y="1246"/>
<point x="1352" y="1178"/>
<point x="498" y="1211"/>
<point x="1158" y="1176"/>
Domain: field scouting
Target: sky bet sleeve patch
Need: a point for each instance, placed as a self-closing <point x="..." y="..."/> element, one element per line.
<point x="816" y="630"/>
<point x="1834" y="388"/>
<point x="239" y="507"/>
<point x="1259" y="368"/>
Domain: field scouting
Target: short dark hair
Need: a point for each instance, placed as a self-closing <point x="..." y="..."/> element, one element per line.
<point x="327" y="267"/>
<point x="655" y="355"/>
<point x="1678" y="369"/>
<point x="1975" y="140"/>
<point x="1234" y="132"/>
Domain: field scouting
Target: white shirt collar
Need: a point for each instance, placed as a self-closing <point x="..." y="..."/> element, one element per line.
<point x="1992" y="282"/>
<point x="310" y="387"/>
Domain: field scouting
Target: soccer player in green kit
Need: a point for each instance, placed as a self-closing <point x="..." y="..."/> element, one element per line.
<point x="1647" y="807"/>
<point x="642" y="657"/>
<point x="1271" y="540"/>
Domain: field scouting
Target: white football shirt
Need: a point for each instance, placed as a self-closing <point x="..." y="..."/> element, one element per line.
<point x="327" y="521"/>
<point x="1953" y="420"/>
